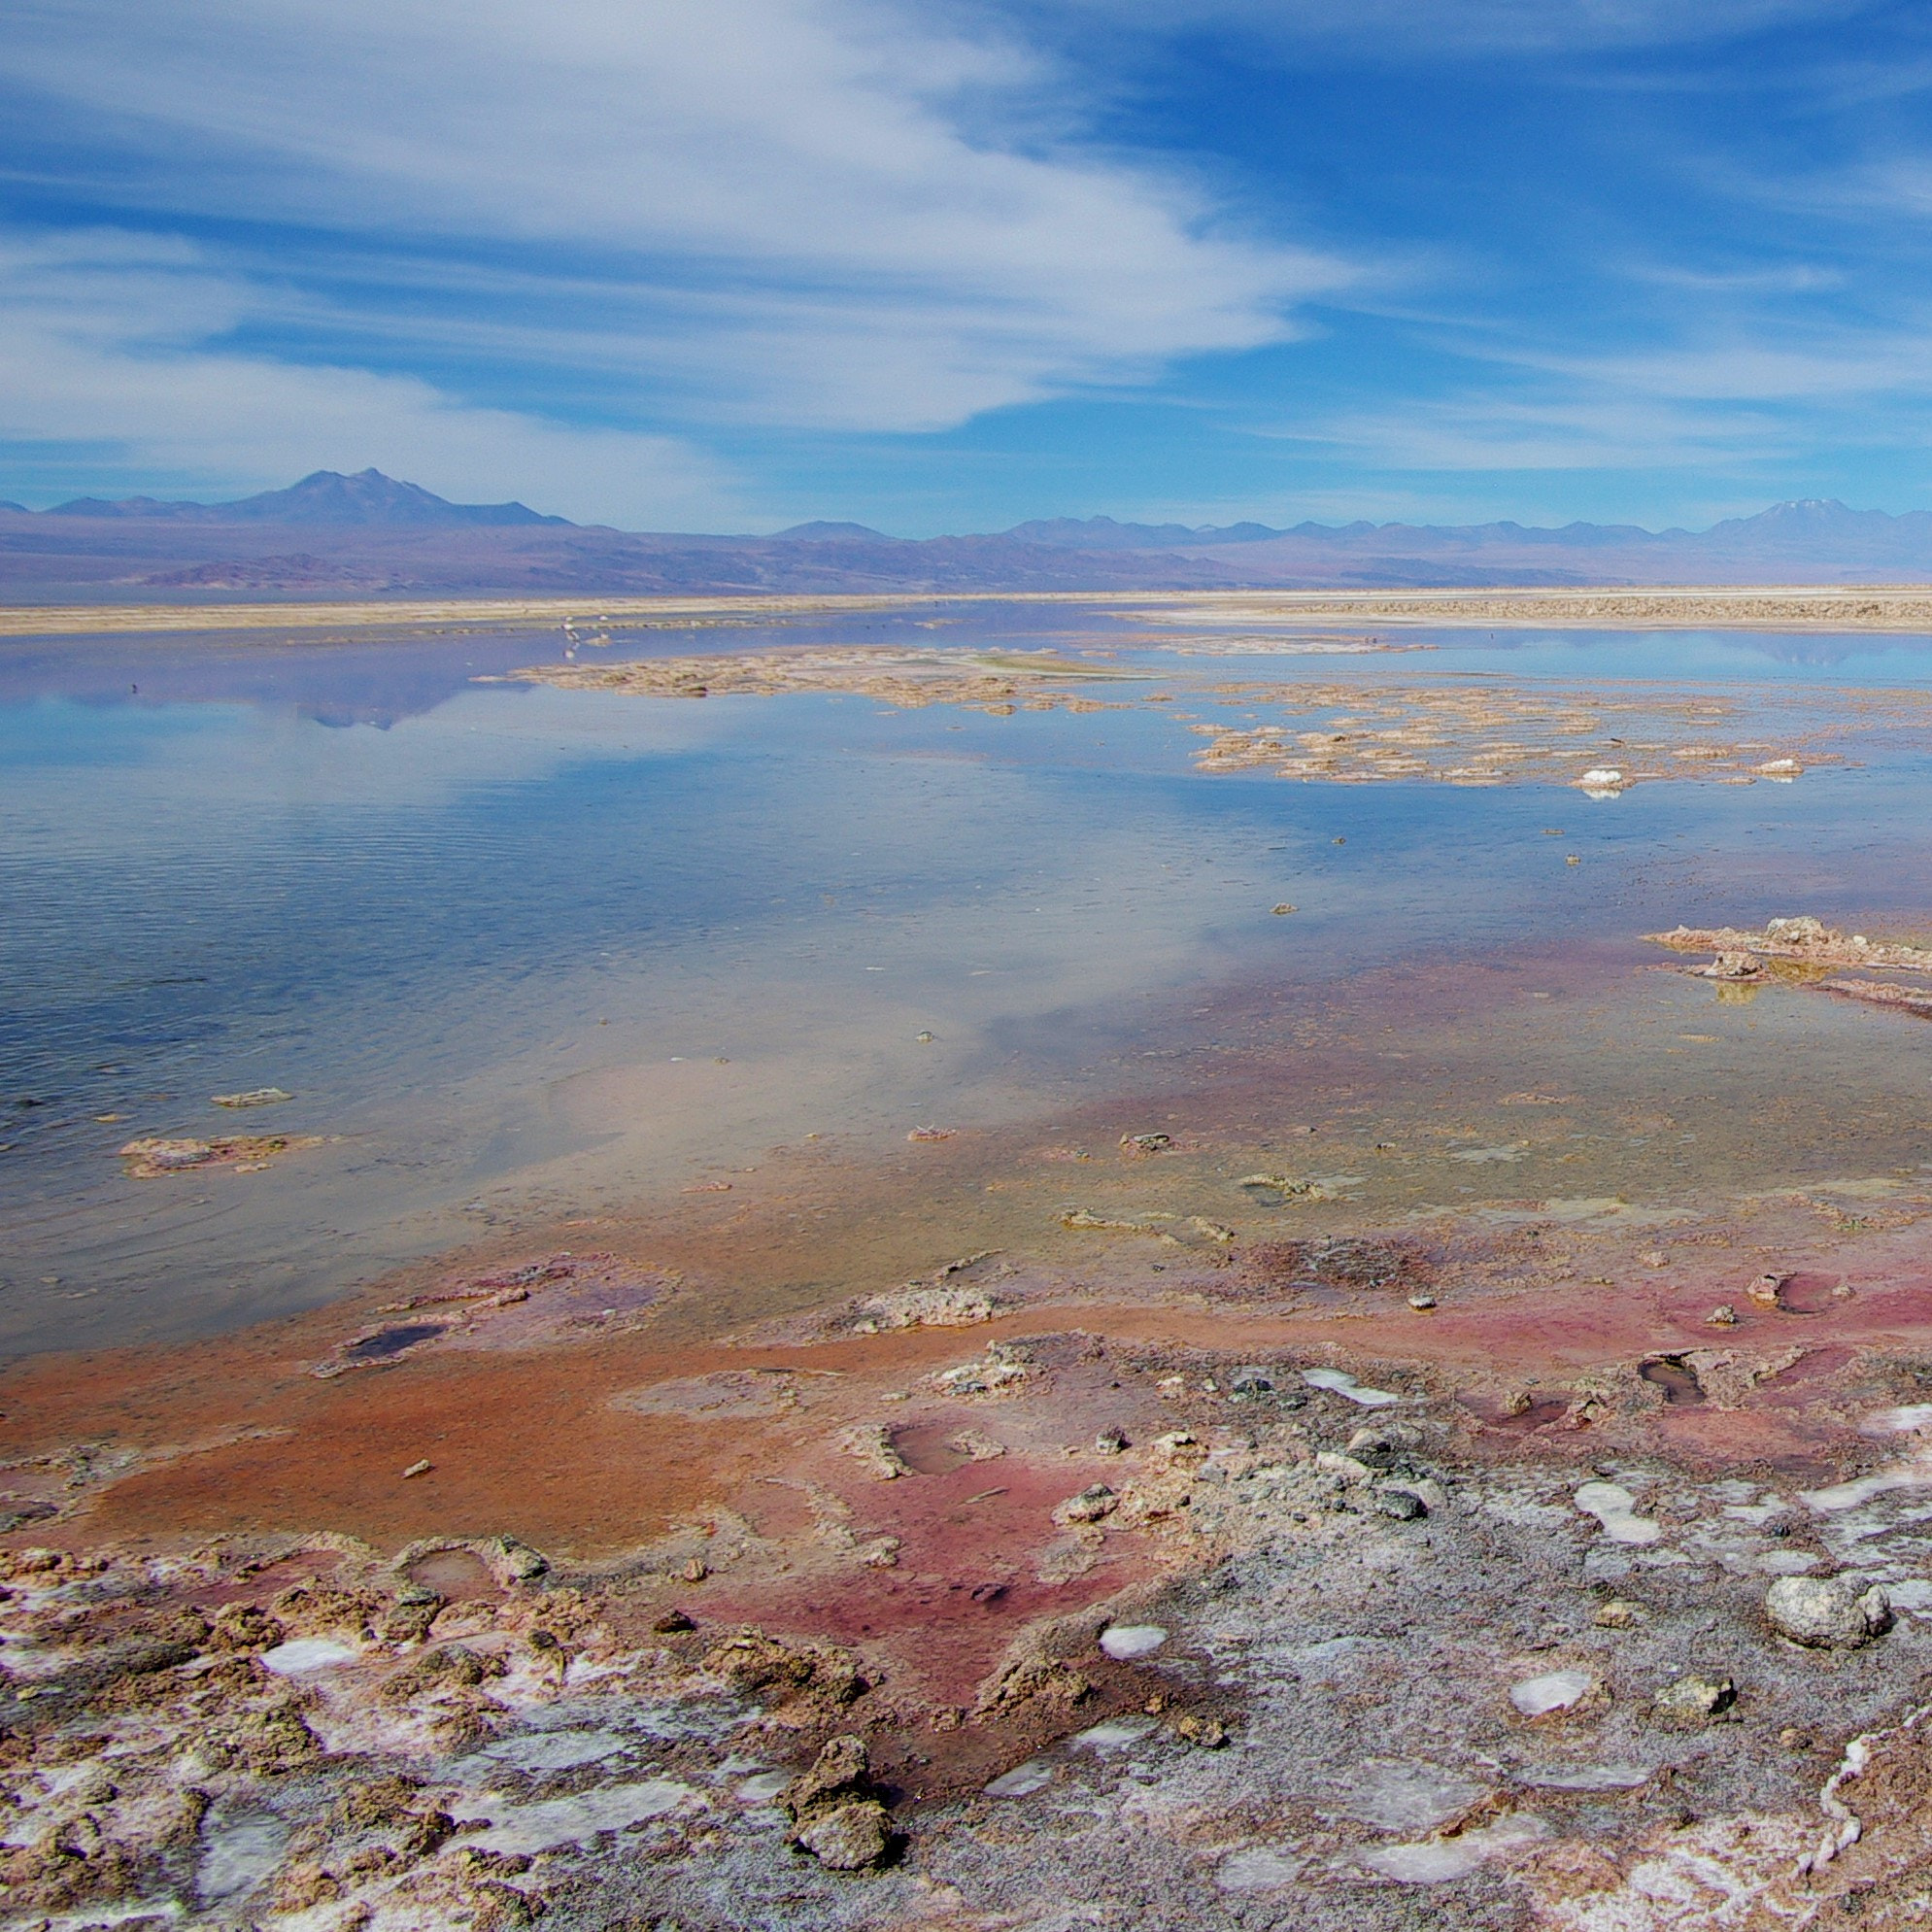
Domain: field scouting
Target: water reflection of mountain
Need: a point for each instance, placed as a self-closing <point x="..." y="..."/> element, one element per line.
<point x="1831" y="652"/>
<point x="376" y="684"/>
<point x="379" y="680"/>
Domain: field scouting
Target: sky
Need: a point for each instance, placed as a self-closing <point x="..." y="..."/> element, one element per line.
<point x="943" y="265"/>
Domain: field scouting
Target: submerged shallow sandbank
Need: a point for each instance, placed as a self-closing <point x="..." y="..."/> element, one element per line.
<point x="1602" y="739"/>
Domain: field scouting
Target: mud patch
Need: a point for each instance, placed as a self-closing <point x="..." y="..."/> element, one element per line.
<point x="454" y="1574"/>
<point x="387" y="1343"/>
<point x="1809" y="1294"/>
<point x="1675" y="1377"/>
<point x="1517" y="1413"/>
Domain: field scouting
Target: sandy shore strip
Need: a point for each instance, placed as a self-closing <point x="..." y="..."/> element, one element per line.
<point x="440" y="614"/>
<point x="1906" y="608"/>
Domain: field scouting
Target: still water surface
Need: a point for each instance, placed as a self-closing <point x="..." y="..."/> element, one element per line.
<point x="516" y="949"/>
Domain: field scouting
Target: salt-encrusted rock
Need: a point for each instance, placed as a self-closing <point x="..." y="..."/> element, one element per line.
<point x="950" y="1304"/>
<point x="872" y="1444"/>
<point x="849" y="1838"/>
<point x="511" y="1560"/>
<point x="1045" y="1682"/>
<point x="244" y="1627"/>
<point x="1000" y="1372"/>
<point x="1736" y="964"/>
<point x="1557" y="1690"/>
<point x="836" y="1773"/>
<point x="1093" y="1503"/>
<point x="811" y="1675"/>
<point x="1827" y="1613"/>
<point x="159" y="1155"/>
<point x="1694" y="1700"/>
<point x="448" y="1667"/>
<point x="834" y="1811"/>
<point x="1207" y="1734"/>
<point x="1803" y="939"/>
<point x="1384" y="1442"/>
<point x="1376" y="1448"/>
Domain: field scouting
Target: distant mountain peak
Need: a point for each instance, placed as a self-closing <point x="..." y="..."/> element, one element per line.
<point x="323" y="496"/>
<point x="328" y="497"/>
<point x="825" y="533"/>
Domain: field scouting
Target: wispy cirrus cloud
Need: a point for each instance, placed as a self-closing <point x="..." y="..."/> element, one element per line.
<point x="1492" y="435"/>
<point x="111" y="364"/>
<point x="826" y="213"/>
<point x="1740" y="406"/>
<point x="1402" y="32"/>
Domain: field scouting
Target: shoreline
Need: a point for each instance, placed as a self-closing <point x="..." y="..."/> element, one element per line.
<point x="1878" y="607"/>
<point x="1138" y="1520"/>
<point x="1523" y="1450"/>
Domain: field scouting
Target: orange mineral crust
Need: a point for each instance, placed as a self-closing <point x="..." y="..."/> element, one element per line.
<point x="590" y="1435"/>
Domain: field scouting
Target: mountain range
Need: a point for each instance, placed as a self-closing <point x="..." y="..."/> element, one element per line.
<point x="371" y="535"/>
<point x="367" y="500"/>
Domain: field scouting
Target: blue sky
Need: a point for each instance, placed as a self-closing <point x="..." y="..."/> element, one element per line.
<point x="732" y="263"/>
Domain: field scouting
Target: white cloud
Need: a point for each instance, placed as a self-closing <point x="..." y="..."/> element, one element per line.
<point x="1760" y="364"/>
<point x="1787" y="279"/>
<point x="821" y="213"/>
<point x="1747" y="399"/>
<point x="1397" y="32"/>
<point x="103" y="347"/>
<point x="1490" y="434"/>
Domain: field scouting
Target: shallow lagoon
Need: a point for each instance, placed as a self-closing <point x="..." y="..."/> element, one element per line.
<point x="521" y="951"/>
